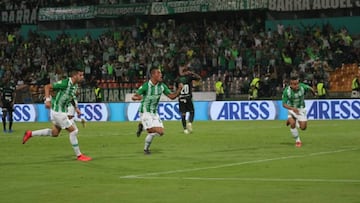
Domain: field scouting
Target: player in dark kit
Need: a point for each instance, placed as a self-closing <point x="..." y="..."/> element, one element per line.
<point x="7" y="92"/>
<point x="185" y="99"/>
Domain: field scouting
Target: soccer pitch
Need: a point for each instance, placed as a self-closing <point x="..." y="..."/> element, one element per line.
<point x="221" y="161"/>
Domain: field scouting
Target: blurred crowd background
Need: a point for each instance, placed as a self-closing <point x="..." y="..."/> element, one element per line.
<point x="233" y="47"/>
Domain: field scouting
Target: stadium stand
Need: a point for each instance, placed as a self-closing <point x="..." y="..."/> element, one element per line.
<point x="120" y="56"/>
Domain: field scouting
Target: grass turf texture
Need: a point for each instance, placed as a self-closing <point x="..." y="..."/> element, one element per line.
<point x="233" y="161"/>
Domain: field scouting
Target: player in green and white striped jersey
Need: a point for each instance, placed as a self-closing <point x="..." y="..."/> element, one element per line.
<point x="66" y="90"/>
<point x="149" y="94"/>
<point x="293" y="99"/>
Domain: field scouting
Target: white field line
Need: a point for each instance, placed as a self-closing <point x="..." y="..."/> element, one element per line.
<point x="236" y="164"/>
<point x="251" y="179"/>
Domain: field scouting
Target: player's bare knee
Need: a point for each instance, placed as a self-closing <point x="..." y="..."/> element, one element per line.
<point x="150" y="130"/>
<point x="303" y="127"/>
<point x="55" y="133"/>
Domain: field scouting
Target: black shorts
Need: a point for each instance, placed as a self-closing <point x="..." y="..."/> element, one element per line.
<point x="7" y="107"/>
<point x="186" y="105"/>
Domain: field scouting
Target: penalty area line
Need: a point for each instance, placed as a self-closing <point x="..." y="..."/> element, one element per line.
<point x="236" y="164"/>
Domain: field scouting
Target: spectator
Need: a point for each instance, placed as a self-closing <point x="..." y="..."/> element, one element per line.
<point x="321" y="90"/>
<point x="355" y="86"/>
<point x="219" y="90"/>
<point x="254" y="88"/>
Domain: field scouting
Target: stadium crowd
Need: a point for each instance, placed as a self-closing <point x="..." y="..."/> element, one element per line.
<point x="238" y="48"/>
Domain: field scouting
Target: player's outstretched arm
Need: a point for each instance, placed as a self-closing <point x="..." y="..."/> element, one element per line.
<point x="177" y="93"/>
<point x="47" y="89"/>
<point x="136" y="97"/>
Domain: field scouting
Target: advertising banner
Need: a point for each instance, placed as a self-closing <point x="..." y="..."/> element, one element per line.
<point x="333" y="109"/>
<point x="94" y="111"/>
<point x="166" y="110"/>
<point x="336" y="109"/>
<point x="24" y="113"/>
<point x="243" y="110"/>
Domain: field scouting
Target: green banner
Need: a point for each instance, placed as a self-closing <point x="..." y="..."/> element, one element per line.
<point x="236" y="5"/>
<point x="66" y="13"/>
<point x="122" y="10"/>
<point x="174" y="7"/>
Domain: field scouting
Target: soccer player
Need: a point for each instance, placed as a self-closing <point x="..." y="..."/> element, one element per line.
<point x="7" y="91"/>
<point x="293" y="99"/>
<point x="65" y="92"/>
<point x="149" y="93"/>
<point x="185" y="97"/>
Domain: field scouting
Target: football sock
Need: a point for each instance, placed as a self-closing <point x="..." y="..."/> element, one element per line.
<point x="75" y="126"/>
<point x="183" y="121"/>
<point x="74" y="142"/>
<point x="10" y="121"/>
<point x="295" y="133"/>
<point x="149" y="139"/>
<point x="42" y="132"/>
<point x="4" y="122"/>
<point x="191" y="116"/>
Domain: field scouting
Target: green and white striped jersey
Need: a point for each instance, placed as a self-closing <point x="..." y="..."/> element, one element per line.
<point x="65" y="93"/>
<point x="295" y="98"/>
<point x="151" y="96"/>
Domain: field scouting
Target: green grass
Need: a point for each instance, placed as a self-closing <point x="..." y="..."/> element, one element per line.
<point x="242" y="161"/>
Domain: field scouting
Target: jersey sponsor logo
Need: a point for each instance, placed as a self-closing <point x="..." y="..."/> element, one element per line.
<point x="94" y="111"/>
<point x="333" y="109"/>
<point x="24" y="113"/>
<point x="246" y="110"/>
<point x="166" y="111"/>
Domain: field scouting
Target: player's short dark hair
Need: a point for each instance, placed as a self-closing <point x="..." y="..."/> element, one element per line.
<point x="78" y="68"/>
<point x="294" y="78"/>
<point x="75" y="69"/>
<point x="153" y="68"/>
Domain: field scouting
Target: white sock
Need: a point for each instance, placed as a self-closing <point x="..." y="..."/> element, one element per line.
<point x="148" y="140"/>
<point x="295" y="134"/>
<point x="74" y="142"/>
<point x="42" y="132"/>
<point x="75" y="126"/>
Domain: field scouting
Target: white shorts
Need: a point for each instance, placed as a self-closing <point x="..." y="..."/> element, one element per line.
<point x="71" y="110"/>
<point x="150" y="120"/>
<point x="60" y="119"/>
<point x="300" y="117"/>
